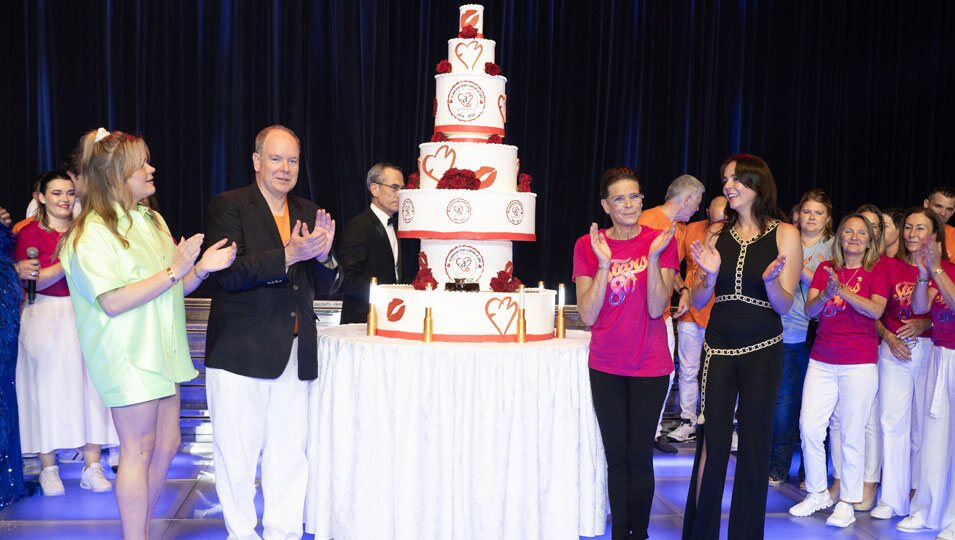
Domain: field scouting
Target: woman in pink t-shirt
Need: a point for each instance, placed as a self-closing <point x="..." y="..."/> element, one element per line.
<point x="59" y="408"/>
<point x="903" y="359"/>
<point x="624" y="276"/>
<point x="933" y="506"/>
<point x="848" y="294"/>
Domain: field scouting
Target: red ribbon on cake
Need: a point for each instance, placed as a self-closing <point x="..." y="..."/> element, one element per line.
<point x="505" y="281"/>
<point x="424" y="276"/>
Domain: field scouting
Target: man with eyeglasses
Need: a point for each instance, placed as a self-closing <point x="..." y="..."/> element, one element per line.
<point x="370" y="246"/>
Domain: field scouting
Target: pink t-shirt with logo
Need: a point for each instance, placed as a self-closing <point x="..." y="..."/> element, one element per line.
<point x="898" y="309"/>
<point x="845" y="336"/>
<point x="943" y="334"/>
<point x="624" y="339"/>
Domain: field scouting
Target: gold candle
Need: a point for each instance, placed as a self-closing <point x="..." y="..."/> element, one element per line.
<point x="521" y="323"/>
<point x="427" y="333"/>
<point x="372" y="323"/>
<point x="561" y="323"/>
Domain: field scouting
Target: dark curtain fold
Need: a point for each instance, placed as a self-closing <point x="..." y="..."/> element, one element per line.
<point x="855" y="97"/>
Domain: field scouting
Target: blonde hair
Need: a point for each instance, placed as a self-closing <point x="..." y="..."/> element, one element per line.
<point x="106" y="165"/>
<point x="871" y="254"/>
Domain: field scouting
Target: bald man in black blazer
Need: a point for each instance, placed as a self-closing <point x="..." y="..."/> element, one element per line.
<point x="370" y="246"/>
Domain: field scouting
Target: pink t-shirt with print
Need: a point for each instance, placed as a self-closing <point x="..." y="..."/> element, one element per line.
<point x="898" y="309"/>
<point x="845" y="336"/>
<point x="624" y="339"/>
<point x="943" y="318"/>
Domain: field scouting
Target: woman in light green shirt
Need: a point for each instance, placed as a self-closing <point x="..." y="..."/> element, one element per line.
<point x="127" y="279"/>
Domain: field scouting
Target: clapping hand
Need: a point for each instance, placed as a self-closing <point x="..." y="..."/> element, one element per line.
<point x="832" y="286"/>
<point x="775" y="267"/>
<point x="599" y="244"/>
<point x="705" y="256"/>
<point x="324" y="222"/>
<point x="929" y="257"/>
<point x="662" y="241"/>
<point x="304" y="245"/>
<point x="186" y="253"/>
<point x="218" y="256"/>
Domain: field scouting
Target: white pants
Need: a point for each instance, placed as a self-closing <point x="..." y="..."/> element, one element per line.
<point x="671" y="343"/>
<point x="934" y="501"/>
<point x="846" y="391"/>
<point x="690" y="344"/>
<point x="260" y="416"/>
<point x="901" y="403"/>
<point x="873" y="445"/>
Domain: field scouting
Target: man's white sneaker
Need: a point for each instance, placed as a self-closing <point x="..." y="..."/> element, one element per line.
<point x="842" y="516"/>
<point x="882" y="511"/>
<point x="50" y="481"/>
<point x="683" y="433"/>
<point x="812" y="504"/>
<point x="911" y="524"/>
<point x="94" y="479"/>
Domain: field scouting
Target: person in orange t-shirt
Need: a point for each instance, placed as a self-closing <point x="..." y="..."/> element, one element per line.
<point x="681" y="201"/>
<point x="941" y="200"/>
<point x="692" y="327"/>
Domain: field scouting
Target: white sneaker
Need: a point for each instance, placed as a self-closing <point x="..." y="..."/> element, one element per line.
<point x="734" y="444"/>
<point x="882" y="511"/>
<point x="911" y="524"/>
<point x="50" y="481"/>
<point x="683" y="433"/>
<point x="94" y="479"/>
<point x="947" y="534"/>
<point x="842" y="516"/>
<point x="812" y="504"/>
<point x="31" y="466"/>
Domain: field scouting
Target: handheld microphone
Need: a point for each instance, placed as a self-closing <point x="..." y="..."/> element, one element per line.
<point x="32" y="253"/>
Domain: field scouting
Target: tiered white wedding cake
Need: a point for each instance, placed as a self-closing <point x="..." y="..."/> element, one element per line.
<point x="468" y="207"/>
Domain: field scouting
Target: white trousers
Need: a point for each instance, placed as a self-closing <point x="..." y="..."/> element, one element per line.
<point x="873" y="445"/>
<point x="901" y="407"/>
<point x="934" y="501"/>
<point x="690" y="345"/>
<point x="260" y="416"/>
<point x="671" y="343"/>
<point x="846" y="391"/>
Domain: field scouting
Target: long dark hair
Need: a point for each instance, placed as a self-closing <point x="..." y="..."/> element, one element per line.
<point x="754" y="173"/>
<point x="937" y="229"/>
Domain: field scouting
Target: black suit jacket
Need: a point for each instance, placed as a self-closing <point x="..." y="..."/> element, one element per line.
<point x="256" y="302"/>
<point x="365" y="252"/>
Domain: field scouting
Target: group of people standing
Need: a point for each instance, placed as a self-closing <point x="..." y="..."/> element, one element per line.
<point x="835" y="337"/>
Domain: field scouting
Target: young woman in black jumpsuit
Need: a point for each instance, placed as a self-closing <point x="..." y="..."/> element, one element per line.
<point x="752" y="265"/>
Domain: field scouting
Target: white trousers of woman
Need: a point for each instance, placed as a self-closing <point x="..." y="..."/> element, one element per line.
<point x="848" y="392"/>
<point x="901" y="408"/>
<point x="934" y="502"/>
<point x="691" y="349"/>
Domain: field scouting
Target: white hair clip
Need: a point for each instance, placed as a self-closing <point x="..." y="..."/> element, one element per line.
<point x="101" y="134"/>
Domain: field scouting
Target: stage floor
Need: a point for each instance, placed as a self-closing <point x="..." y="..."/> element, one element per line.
<point x="189" y="509"/>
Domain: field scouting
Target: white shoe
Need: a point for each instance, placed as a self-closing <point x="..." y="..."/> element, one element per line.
<point x="812" y="504"/>
<point x="683" y="433"/>
<point x="94" y="479"/>
<point x="882" y="511"/>
<point x="50" y="481"/>
<point x="947" y="534"/>
<point x="31" y="466"/>
<point x="842" y="516"/>
<point x="911" y="524"/>
<point x="734" y="444"/>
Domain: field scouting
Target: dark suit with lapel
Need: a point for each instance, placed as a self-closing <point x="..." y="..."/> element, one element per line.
<point x="256" y="302"/>
<point x="365" y="252"/>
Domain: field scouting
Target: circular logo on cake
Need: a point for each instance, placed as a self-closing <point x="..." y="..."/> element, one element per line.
<point x="407" y="211"/>
<point x="464" y="262"/>
<point x="515" y="212"/>
<point x="466" y="101"/>
<point x="459" y="211"/>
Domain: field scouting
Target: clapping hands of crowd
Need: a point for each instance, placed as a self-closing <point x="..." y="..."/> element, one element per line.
<point x="929" y="257"/>
<point x="599" y="244"/>
<point x="774" y="268"/>
<point x="186" y="253"/>
<point x="218" y="256"/>
<point x="705" y="256"/>
<point x="833" y="286"/>
<point x="304" y="245"/>
<point x="662" y="241"/>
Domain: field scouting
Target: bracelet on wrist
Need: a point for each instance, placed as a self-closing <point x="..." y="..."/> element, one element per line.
<point x="603" y="267"/>
<point x="938" y="271"/>
<point x="923" y="281"/>
<point x="172" y="275"/>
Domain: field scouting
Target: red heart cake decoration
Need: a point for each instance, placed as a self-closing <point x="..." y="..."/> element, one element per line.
<point x="470" y="54"/>
<point x="499" y="310"/>
<point x="446" y="157"/>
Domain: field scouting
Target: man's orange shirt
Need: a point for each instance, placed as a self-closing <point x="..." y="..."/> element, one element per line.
<point x="695" y="231"/>
<point x="656" y="219"/>
<point x="950" y="242"/>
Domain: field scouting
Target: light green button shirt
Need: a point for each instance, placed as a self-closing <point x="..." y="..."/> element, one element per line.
<point x="143" y="353"/>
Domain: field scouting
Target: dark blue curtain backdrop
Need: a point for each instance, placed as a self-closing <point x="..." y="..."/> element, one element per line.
<point x="856" y="97"/>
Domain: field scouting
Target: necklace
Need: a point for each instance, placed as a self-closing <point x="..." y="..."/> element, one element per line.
<point x="848" y="282"/>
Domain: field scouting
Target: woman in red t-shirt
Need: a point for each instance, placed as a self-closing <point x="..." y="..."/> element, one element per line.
<point x="59" y="408"/>
<point x="903" y="358"/>
<point x="624" y="276"/>
<point x="848" y="294"/>
<point x="933" y="506"/>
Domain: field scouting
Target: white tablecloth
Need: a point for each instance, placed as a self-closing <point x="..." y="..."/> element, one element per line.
<point x="417" y="441"/>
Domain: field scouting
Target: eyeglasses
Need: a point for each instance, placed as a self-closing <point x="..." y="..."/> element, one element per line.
<point x="621" y="200"/>
<point x="394" y="187"/>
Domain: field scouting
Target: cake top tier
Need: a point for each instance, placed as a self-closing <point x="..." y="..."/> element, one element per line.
<point x="472" y="14"/>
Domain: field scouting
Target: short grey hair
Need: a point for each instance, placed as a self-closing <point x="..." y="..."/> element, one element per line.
<point x="377" y="172"/>
<point x="260" y="138"/>
<point x="684" y="185"/>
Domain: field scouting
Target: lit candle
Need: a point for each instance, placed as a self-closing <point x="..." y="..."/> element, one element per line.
<point x="520" y="299"/>
<point x="540" y="285"/>
<point x="429" y="296"/>
<point x="560" y="295"/>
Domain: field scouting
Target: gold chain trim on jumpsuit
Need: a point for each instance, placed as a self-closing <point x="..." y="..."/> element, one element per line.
<point x="737" y="296"/>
